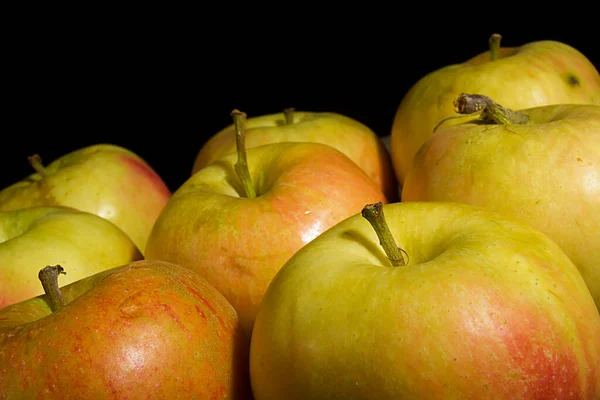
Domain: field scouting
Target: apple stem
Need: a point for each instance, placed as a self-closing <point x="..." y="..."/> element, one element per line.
<point x="49" y="278"/>
<point x="241" y="166"/>
<point x="490" y="110"/>
<point x="289" y="115"/>
<point x="374" y="214"/>
<point x="494" y="43"/>
<point x="36" y="163"/>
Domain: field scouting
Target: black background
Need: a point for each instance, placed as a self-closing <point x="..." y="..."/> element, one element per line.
<point x="161" y="83"/>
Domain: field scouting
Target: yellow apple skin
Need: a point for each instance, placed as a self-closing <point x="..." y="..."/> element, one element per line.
<point x="144" y="330"/>
<point x="354" y="139"/>
<point x="106" y="180"/>
<point x="546" y="173"/>
<point x="535" y="74"/>
<point x="32" y="238"/>
<point x="237" y="243"/>
<point x="485" y="308"/>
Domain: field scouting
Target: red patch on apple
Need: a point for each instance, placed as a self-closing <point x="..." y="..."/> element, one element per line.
<point x="552" y="370"/>
<point x="140" y="168"/>
<point x="546" y="370"/>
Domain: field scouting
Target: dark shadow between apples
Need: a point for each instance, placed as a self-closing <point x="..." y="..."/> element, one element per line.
<point x="241" y="357"/>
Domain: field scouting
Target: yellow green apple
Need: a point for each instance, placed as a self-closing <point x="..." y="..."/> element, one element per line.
<point x="82" y="242"/>
<point x="143" y="330"/>
<point x="427" y="300"/>
<point x="534" y="74"/>
<point x="106" y="180"/>
<point x="351" y="137"/>
<point x="238" y="220"/>
<point x="545" y="173"/>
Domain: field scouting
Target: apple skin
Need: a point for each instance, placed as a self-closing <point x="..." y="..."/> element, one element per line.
<point x="237" y="243"/>
<point x="146" y="330"/>
<point x="34" y="237"/>
<point x="351" y="137"/>
<point x="104" y="179"/>
<point x="486" y="308"/>
<point x="535" y="74"/>
<point x="546" y="173"/>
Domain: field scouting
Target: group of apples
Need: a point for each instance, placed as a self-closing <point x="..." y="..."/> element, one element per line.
<point x="306" y="258"/>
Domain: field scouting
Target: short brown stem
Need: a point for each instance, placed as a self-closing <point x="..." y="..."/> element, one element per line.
<point x="374" y="214"/>
<point x="36" y="163"/>
<point x="494" y="43"/>
<point x="241" y="166"/>
<point x="491" y="112"/>
<point x="49" y="278"/>
<point x="289" y="115"/>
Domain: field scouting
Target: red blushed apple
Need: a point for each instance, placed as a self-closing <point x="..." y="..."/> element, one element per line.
<point x="109" y="181"/>
<point x="146" y="330"/>
<point x="430" y="301"/>
<point x="351" y="137"/>
<point x="238" y="220"/>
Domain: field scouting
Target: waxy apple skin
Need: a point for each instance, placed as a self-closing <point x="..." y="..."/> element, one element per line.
<point x="546" y="173"/>
<point x="34" y="237"/>
<point x="147" y="330"/>
<point x="535" y="74"/>
<point x="351" y="137"/>
<point x="237" y="243"/>
<point x="106" y="180"/>
<point x="485" y="308"/>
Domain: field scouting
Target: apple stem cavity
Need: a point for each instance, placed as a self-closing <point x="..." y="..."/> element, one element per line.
<point x="241" y="166"/>
<point x="289" y="115"/>
<point x="36" y="163"/>
<point x="374" y="214"/>
<point x="494" y="43"/>
<point x="49" y="278"/>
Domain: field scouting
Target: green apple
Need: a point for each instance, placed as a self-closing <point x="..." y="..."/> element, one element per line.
<point x="545" y="173"/>
<point x="106" y="180"/>
<point x="534" y="74"/>
<point x="427" y="301"/>
<point x="82" y="242"/>
<point x="239" y="219"/>
<point x="144" y="330"/>
<point x="354" y="139"/>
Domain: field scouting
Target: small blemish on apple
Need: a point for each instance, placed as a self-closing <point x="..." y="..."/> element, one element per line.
<point x="572" y="80"/>
<point x="129" y="311"/>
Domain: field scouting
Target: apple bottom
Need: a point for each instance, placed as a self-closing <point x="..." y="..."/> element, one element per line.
<point x="146" y="330"/>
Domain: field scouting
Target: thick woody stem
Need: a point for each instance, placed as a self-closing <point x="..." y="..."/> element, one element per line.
<point x="494" y="43"/>
<point x="289" y="115"/>
<point x="241" y="166"/>
<point x="491" y="111"/>
<point x="374" y="214"/>
<point x="36" y="163"/>
<point x="49" y="278"/>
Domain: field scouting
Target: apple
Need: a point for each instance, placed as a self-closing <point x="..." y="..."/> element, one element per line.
<point x="239" y="219"/>
<point x="351" y="137"/>
<point x="104" y="179"/>
<point x="82" y="242"/>
<point x="545" y="173"/>
<point x="148" y="329"/>
<point x="534" y="74"/>
<point x="427" y="300"/>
